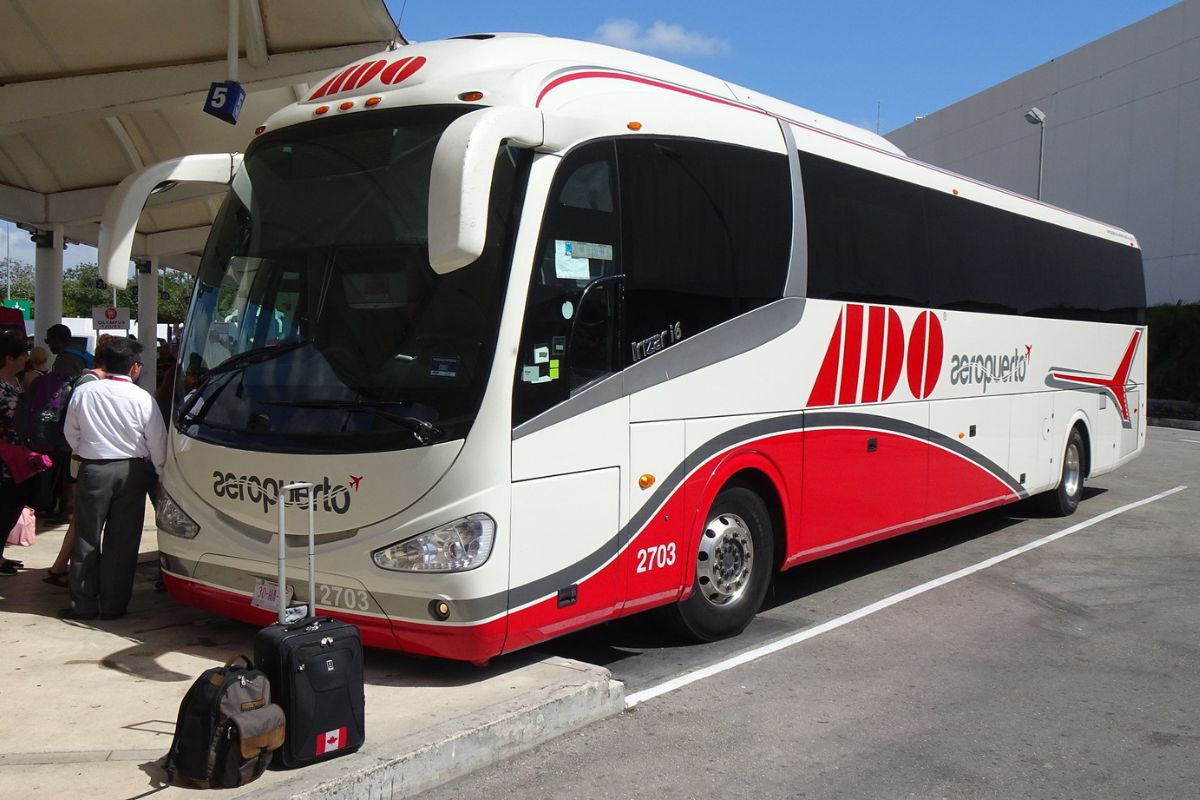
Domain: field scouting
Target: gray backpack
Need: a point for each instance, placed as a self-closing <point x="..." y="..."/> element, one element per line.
<point x="227" y="730"/>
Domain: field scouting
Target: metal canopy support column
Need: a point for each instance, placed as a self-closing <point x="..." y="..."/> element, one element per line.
<point x="147" y="286"/>
<point x="47" y="280"/>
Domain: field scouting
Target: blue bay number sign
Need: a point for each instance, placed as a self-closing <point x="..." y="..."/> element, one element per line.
<point x="225" y="100"/>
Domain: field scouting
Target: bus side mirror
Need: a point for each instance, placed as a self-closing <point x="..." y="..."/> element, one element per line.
<point x="119" y="221"/>
<point x="460" y="183"/>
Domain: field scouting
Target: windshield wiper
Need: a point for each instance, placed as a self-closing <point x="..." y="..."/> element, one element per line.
<point x="230" y="366"/>
<point x="254" y="356"/>
<point x="423" y="431"/>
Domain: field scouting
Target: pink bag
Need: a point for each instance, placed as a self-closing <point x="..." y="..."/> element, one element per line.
<point x="25" y="530"/>
<point x="22" y="462"/>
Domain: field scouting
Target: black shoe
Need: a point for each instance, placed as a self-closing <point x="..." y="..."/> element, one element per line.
<point x="112" y="616"/>
<point x="70" y="613"/>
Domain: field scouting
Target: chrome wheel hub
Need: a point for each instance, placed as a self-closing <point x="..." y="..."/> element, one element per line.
<point x="1072" y="471"/>
<point x="725" y="559"/>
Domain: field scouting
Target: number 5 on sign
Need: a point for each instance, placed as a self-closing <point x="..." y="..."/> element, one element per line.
<point x="225" y="100"/>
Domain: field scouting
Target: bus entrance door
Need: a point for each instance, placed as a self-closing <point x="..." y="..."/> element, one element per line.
<point x="566" y="509"/>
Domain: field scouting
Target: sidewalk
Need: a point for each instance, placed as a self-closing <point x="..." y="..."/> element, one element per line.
<point x="89" y="708"/>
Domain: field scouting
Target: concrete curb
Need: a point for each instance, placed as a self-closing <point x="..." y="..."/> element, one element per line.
<point x="460" y="746"/>
<point x="1181" y="424"/>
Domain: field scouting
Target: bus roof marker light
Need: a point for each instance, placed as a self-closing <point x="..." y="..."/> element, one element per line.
<point x="373" y="101"/>
<point x="471" y="97"/>
<point x="346" y="106"/>
<point x="954" y="192"/>
<point x="646" y="481"/>
<point x="259" y="130"/>
<point x="634" y="126"/>
<point x="320" y="109"/>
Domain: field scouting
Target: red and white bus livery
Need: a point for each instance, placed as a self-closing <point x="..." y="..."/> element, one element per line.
<point x="562" y="333"/>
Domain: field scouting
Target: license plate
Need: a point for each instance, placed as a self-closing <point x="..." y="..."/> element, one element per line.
<point x="266" y="594"/>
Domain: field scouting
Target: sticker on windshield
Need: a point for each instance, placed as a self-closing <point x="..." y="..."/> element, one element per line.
<point x="600" y="252"/>
<point x="558" y="345"/>
<point x="567" y="265"/>
<point x="533" y="374"/>
<point x="443" y="366"/>
<point x="572" y="260"/>
<point x="541" y="354"/>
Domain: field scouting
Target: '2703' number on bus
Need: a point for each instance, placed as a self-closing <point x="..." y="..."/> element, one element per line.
<point x="657" y="557"/>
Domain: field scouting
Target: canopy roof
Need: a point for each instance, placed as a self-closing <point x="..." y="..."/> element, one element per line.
<point x="92" y="91"/>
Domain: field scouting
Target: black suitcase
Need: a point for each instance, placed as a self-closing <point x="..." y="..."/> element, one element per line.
<point x="315" y="665"/>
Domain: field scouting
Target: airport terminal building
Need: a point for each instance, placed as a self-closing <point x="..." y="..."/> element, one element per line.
<point x="1121" y="143"/>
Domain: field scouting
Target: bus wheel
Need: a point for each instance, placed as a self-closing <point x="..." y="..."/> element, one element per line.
<point x="733" y="567"/>
<point x="1063" y="501"/>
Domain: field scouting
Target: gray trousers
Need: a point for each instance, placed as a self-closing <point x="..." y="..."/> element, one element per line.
<point x="110" y="508"/>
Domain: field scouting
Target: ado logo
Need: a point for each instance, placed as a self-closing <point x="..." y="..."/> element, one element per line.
<point x="356" y="76"/>
<point x="867" y="353"/>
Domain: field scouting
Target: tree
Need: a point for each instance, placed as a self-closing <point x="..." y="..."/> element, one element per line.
<point x="21" y="276"/>
<point x="80" y="294"/>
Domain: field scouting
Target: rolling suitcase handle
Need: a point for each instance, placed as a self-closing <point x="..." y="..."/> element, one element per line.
<point x="311" y="609"/>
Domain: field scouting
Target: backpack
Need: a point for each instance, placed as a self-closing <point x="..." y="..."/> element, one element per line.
<point x="227" y="730"/>
<point x="41" y="413"/>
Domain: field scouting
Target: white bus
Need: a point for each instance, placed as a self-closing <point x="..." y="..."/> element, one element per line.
<point x="563" y="333"/>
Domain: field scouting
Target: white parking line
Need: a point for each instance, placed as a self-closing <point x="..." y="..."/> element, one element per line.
<point x="809" y="633"/>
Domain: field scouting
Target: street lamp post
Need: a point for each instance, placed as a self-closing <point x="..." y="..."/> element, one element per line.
<point x="1035" y="116"/>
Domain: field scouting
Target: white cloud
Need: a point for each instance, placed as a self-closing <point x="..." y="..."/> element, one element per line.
<point x="661" y="37"/>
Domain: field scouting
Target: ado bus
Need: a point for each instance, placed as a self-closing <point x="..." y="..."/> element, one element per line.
<point x="563" y="333"/>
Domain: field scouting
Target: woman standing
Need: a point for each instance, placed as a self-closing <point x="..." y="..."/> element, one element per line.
<point x="39" y="365"/>
<point x="12" y="494"/>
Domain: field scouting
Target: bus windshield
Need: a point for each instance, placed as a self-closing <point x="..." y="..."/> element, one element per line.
<point x="317" y="324"/>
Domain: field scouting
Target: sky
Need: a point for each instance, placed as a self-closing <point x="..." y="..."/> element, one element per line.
<point x="873" y="63"/>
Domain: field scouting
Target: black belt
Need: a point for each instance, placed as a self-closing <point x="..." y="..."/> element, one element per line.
<point x="111" y="460"/>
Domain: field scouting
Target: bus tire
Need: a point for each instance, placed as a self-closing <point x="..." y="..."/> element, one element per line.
<point x="1064" y="499"/>
<point x="733" y="567"/>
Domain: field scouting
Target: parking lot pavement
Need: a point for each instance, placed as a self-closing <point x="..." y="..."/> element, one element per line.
<point x="89" y="708"/>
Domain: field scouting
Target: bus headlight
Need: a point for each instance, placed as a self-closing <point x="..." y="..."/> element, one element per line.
<point x="171" y="518"/>
<point x="456" y="546"/>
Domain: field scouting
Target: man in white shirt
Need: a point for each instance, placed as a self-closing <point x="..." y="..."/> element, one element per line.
<point x="115" y="427"/>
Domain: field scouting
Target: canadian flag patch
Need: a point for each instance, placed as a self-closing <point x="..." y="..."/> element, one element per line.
<point x="331" y="740"/>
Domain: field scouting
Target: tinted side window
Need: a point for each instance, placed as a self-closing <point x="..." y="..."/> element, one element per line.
<point x="1071" y="275"/>
<point x="579" y="244"/>
<point x="988" y="259"/>
<point x="707" y="234"/>
<point x="978" y="256"/>
<point x="866" y="234"/>
<point x="878" y="239"/>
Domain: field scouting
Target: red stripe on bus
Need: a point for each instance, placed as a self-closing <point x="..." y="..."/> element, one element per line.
<point x="621" y="76"/>
<point x="916" y="357"/>
<point x="916" y="484"/>
<point x="894" y="359"/>
<point x="352" y="78"/>
<point x="402" y="70"/>
<point x="463" y="643"/>
<point x="373" y="69"/>
<point x="325" y="87"/>
<point x="873" y="366"/>
<point x="825" y="388"/>
<point x="336" y="86"/>
<point x="393" y="69"/>
<point x="933" y="353"/>
<point x="851" y="355"/>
